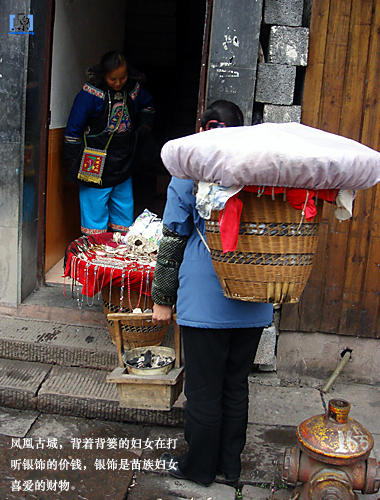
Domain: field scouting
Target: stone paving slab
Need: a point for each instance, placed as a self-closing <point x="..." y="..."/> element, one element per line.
<point x="20" y="382"/>
<point x="16" y="423"/>
<point x="88" y="434"/>
<point x="85" y="393"/>
<point x="256" y="493"/>
<point x="164" y="487"/>
<point x="265" y="447"/>
<point x="282" y="405"/>
<point x="98" y="459"/>
<point x="51" y="473"/>
<point x="171" y="439"/>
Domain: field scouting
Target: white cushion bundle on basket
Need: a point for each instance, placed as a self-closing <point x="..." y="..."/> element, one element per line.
<point x="273" y="154"/>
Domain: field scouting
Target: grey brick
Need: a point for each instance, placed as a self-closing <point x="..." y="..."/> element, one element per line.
<point x="282" y="114"/>
<point x="288" y="45"/>
<point x="275" y="83"/>
<point x="283" y="12"/>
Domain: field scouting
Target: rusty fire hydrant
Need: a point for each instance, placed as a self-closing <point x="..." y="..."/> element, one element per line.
<point x="331" y="459"/>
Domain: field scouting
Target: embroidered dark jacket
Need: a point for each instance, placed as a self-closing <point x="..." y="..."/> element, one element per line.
<point x="95" y="111"/>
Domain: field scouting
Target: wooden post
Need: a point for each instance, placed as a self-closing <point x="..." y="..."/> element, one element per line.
<point x="119" y="342"/>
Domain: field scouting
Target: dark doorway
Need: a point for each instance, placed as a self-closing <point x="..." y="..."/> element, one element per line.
<point x="164" y="41"/>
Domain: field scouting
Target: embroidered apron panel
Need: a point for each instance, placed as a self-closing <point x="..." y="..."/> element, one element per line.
<point x="92" y="165"/>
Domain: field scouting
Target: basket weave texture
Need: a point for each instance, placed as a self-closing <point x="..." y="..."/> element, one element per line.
<point x="136" y="333"/>
<point x="274" y="255"/>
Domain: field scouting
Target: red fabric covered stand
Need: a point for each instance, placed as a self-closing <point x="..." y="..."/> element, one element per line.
<point x="81" y="266"/>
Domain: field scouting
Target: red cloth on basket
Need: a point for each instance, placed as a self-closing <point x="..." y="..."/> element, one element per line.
<point x="229" y="223"/>
<point x="95" y="277"/>
<point x="229" y="217"/>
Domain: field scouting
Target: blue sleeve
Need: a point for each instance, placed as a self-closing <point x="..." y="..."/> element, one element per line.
<point x="144" y="107"/>
<point x="85" y="105"/>
<point x="144" y="101"/>
<point x="178" y="214"/>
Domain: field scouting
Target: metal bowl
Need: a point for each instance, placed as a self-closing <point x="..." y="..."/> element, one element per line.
<point x="156" y="350"/>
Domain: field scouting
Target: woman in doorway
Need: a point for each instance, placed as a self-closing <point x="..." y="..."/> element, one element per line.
<point x="220" y="335"/>
<point x="112" y="112"/>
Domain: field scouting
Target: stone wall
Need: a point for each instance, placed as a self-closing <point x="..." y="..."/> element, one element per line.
<point x="284" y="41"/>
<point x="304" y="358"/>
<point x="258" y="55"/>
<point x="13" y="66"/>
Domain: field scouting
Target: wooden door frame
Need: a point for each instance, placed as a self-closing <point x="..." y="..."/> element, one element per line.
<point x="204" y="64"/>
<point x="43" y="158"/>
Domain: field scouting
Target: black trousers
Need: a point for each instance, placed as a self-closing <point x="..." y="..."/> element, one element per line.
<point x="218" y="363"/>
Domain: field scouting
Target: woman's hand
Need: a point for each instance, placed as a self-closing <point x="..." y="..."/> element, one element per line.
<point x="162" y="315"/>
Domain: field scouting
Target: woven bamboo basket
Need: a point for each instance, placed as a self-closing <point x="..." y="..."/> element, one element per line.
<point x="136" y="333"/>
<point x="274" y="255"/>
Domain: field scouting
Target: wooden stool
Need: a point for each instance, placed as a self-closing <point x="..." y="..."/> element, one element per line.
<point x="154" y="392"/>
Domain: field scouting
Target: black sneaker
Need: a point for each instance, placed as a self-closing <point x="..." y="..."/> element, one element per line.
<point x="227" y="479"/>
<point x="171" y="465"/>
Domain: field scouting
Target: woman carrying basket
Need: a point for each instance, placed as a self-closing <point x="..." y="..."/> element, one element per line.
<point x="220" y="335"/>
<point x="107" y="137"/>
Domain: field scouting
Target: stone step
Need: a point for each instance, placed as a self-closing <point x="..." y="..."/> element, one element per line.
<point x="77" y="392"/>
<point x="55" y="342"/>
<point x="60" y="303"/>
<point x="64" y="344"/>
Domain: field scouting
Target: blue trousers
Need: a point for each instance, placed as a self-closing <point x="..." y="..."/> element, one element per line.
<point x="218" y="363"/>
<point x="104" y="209"/>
